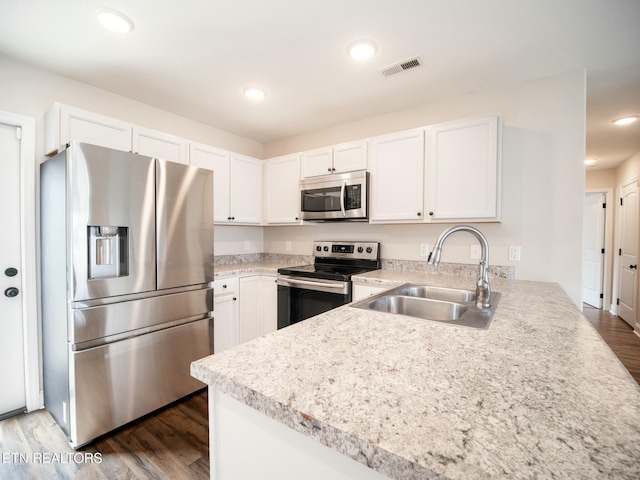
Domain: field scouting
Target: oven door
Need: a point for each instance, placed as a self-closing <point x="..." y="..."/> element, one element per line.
<point x="301" y="298"/>
<point x="334" y="197"/>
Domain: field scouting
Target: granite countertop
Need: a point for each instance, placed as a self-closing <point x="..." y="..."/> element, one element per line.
<point x="536" y="395"/>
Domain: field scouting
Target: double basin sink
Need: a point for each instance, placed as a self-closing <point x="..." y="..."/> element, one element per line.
<point x="446" y="305"/>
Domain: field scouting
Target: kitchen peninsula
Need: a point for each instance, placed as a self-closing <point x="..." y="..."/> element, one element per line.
<point x="353" y="394"/>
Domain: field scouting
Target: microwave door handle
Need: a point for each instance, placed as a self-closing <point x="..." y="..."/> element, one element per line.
<point x="343" y="199"/>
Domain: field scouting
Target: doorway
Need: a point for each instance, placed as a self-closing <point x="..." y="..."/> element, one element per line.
<point x="19" y="357"/>
<point x="593" y="251"/>
<point x="628" y="254"/>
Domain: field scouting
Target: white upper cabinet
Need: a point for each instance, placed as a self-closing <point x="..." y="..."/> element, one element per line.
<point x="246" y="190"/>
<point x="464" y="173"/>
<point x="346" y="157"/>
<point x="64" y="124"/>
<point x="237" y="184"/>
<point x="281" y="177"/>
<point x="160" y="145"/>
<point x="317" y="162"/>
<point x="397" y="177"/>
<point x="218" y="160"/>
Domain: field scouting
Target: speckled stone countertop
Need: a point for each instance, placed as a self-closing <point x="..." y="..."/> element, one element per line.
<point x="536" y="395"/>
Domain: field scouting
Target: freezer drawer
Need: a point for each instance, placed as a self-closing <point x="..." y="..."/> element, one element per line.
<point x="116" y="383"/>
<point x="116" y="319"/>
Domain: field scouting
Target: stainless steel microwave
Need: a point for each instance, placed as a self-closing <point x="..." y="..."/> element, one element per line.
<point x="335" y="197"/>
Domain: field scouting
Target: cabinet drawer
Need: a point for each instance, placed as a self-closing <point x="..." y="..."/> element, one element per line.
<point x="225" y="286"/>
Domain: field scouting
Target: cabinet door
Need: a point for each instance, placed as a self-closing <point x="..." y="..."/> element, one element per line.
<point x="225" y="323"/>
<point x="250" y="308"/>
<point x="464" y="170"/>
<point x="317" y="162"/>
<point x="397" y="177"/>
<point x="218" y="160"/>
<point x="160" y="145"/>
<point x="349" y="157"/>
<point x="246" y="190"/>
<point x="282" y="175"/>
<point x="269" y="304"/>
<point x="65" y="123"/>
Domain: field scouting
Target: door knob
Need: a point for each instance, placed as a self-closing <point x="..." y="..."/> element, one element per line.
<point x="11" y="272"/>
<point x="633" y="266"/>
<point x="11" y="292"/>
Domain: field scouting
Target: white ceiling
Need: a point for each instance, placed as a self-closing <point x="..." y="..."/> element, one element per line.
<point x="194" y="57"/>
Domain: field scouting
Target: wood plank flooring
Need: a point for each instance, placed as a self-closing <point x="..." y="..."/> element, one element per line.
<point x="619" y="336"/>
<point x="172" y="443"/>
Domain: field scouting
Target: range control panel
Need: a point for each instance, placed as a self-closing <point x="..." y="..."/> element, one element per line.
<point x="354" y="250"/>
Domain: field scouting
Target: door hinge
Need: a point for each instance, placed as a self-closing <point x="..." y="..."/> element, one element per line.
<point x="602" y="295"/>
<point x="604" y="205"/>
<point x="620" y="201"/>
<point x="602" y="251"/>
<point x="618" y="301"/>
<point x="619" y="251"/>
<point x="19" y="133"/>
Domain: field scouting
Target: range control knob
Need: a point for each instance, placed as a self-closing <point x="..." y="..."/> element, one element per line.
<point x="326" y="249"/>
<point x="360" y="249"/>
<point x="318" y="248"/>
<point x="369" y="249"/>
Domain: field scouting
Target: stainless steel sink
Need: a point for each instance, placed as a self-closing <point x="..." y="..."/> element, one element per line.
<point x="437" y="293"/>
<point x="445" y="305"/>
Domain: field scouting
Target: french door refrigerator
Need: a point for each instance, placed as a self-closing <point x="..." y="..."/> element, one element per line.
<point x="126" y="266"/>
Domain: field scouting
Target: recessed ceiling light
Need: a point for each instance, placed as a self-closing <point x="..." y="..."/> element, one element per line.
<point x="114" y="21"/>
<point x="254" y="93"/>
<point x="590" y="162"/>
<point x="626" y="120"/>
<point x="362" y="49"/>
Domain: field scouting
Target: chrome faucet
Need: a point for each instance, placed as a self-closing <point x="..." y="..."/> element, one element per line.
<point x="483" y="290"/>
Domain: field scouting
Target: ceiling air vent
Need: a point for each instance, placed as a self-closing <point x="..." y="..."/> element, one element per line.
<point x="402" y="66"/>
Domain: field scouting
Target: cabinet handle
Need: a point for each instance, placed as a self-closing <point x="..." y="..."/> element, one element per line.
<point x="633" y="266"/>
<point x="224" y="286"/>
<point x="419" y="214"/>
<point x="235" y="298"/>
<point x="328" y="169"/>
<point x="431" y="213"/>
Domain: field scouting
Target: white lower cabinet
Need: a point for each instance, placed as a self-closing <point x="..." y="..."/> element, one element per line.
<point x="258" y="306"/>
<point x="363" y="291"/>
<point x="226" y="314"/>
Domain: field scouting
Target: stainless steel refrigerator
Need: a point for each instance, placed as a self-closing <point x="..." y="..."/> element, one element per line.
<point x="126" y="258"/>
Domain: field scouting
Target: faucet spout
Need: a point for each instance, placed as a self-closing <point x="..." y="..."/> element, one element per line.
<point x="483" y="289"/>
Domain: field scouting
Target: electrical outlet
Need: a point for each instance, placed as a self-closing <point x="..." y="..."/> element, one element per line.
<point x="475" y="252"/>
<point x="424" y="250"/>
<point x="247" y="245"/>
<point x="287" y="246"/>
<point x="514" y="253"/>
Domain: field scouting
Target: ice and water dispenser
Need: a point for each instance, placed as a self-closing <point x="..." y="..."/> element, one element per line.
<point x="108" y="251"/>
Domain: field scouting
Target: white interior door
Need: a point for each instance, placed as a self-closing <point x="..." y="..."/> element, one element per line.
<point x="12" y="359"/>
<point x="628" y="298"/>
<point x="592" y="245"/>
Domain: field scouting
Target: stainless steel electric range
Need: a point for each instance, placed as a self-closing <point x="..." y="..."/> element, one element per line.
<point x="308" y="290"/>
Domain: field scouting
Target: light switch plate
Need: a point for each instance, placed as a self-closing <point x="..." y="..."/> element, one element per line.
<point x="514" y="253"/>
<point x="424" y="250"/>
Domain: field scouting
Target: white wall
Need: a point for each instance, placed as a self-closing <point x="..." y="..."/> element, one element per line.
<point x="31" y="91"/>
<point x="543" y="180"/>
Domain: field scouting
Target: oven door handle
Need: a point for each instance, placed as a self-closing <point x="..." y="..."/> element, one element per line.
<point x="343" y="199"/>
<point x="341" y="287"/>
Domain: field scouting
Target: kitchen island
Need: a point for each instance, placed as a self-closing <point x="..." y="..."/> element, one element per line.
<point x="358" y="394"/>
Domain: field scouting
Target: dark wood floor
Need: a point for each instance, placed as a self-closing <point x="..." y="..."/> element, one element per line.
<point x="170" y="444"/>
<point x="619" y="336"/>
<point x="173" y="443"/>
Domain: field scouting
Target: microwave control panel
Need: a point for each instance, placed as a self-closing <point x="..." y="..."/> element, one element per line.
<point x="354" y="197"/>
